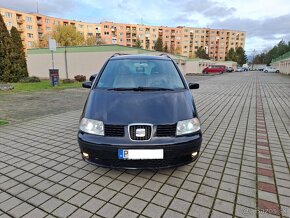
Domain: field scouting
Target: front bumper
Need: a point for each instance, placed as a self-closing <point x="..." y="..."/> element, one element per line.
<point x="103" y="151"/>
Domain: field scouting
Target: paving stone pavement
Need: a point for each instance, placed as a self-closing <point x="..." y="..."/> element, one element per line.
<point x="243" y="169"/>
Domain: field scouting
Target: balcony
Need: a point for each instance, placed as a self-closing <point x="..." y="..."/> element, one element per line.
<point x="39" y="22"/>
<point x="40" y="29"/>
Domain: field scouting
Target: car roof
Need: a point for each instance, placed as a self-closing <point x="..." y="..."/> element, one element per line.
<point x="146" y="57"/>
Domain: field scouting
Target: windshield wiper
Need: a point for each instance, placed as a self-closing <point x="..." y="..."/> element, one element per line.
<point x="141" y="88"/>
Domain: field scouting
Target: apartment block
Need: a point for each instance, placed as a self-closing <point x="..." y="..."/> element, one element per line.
<point x="180" y="40"/>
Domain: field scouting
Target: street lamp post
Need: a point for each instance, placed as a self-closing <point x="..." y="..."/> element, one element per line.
<point x="65" y="60"/>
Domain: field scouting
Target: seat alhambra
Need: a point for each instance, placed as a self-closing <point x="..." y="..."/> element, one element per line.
<point x="140" y="113"/>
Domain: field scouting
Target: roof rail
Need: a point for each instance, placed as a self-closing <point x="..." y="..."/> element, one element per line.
<point x="166" y="55"/>
<point x="118" y="54"/>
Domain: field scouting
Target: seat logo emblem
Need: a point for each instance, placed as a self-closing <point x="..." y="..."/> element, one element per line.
<point x="140" y="132"/>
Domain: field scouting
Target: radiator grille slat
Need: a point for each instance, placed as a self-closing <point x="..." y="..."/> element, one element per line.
<point x="114" y="130"/>
<point x="166" y="130"/>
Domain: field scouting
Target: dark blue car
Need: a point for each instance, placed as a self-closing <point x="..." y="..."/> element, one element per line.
<point x="140" y="113"/>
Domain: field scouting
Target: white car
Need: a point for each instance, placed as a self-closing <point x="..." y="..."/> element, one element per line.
<point x="270" y="70"/>
<point x="239" y="69"/>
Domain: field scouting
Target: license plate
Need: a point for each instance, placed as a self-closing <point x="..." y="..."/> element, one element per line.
<point x="140" y="154"/>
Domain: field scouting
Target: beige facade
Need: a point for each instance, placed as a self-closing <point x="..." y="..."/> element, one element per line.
<point x="179" y="40"/>
<point x="283" y="66"/>
<point x="89" y="60"/>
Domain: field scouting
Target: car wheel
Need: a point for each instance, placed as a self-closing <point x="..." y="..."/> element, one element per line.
<point x="277" y="71"/>
<point x="266" y="71"/>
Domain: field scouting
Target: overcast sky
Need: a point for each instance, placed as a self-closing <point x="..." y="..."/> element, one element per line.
<point x="265" y="21"/>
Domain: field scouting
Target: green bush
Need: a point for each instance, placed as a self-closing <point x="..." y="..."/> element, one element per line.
<point x="80" y="78"/>
<point x="66" y="81"/>
<point x="32" y="79"/>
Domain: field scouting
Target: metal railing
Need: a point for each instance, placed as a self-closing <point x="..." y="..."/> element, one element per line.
<point x="282" y="57"/>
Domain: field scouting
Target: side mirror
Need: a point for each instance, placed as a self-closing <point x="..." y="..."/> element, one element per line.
<point x="87" y="84"/>
<point x="193" y="85"/>
<point x="92" y="77"/>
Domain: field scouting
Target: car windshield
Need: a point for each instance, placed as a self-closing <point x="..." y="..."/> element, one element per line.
<point x="140" y="74"/>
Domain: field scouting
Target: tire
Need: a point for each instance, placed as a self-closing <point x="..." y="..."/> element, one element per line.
<point x="266" y="71"/>
<point x="277" y="71"/>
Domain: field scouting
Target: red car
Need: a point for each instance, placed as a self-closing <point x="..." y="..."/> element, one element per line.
<point x="214" y="69"/>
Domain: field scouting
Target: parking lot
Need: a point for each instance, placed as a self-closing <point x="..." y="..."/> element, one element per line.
<point x="243" y="169"/>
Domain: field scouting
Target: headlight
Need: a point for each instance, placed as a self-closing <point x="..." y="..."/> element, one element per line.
<point x="188" y="126"/>
<point x="92" y="126"/>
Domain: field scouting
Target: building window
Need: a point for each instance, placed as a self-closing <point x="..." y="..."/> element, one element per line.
<point x="120" y="34"/>
<point x="47" y="21"/>
<point x="48" y="29"/>
<point x="81" y="26"/>
<point x="28" y="19"/>
<point x="8" y="14"/>
<point x="29" y="27"/>
<point x="8" y="24"/>
<point x="106" y="26"/>
<point x="30" y="35"/>
<point x="196" y="31"/>
<point x="30" y="44"/>
<point x="120" y="40"/>
<point x="56" y="22"/>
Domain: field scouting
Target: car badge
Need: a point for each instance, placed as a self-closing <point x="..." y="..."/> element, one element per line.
<point x="140" y="132"/>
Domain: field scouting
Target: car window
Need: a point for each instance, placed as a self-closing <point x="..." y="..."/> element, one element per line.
<point x="134" y="73"/>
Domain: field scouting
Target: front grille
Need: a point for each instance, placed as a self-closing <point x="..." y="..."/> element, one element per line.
<point x="114" y="130"/>
<point x="166" y="130"/>
<point x="133" y="132"/>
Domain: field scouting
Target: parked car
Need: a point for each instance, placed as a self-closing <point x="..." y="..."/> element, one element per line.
<point x="214" y="69"/>
<point x="246" y="67"/>
<point x="270" y="69"/>
<point x="229" y="69"/>
<point x="140" y="113"/>
<point x="239" y="69"/>
<point x="261" y="68"/>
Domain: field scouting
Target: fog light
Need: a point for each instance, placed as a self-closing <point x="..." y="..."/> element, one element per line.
<point x="85" y="155"/>
<point x="194" y="154"/>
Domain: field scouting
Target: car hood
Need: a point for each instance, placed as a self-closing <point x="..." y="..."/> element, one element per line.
<point x="125" y="107"/>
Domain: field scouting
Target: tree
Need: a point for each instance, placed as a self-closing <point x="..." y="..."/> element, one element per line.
<point x="138" y="43"/>
<point x="201" y="53"/>
<point x="172" y="49"/>
<point x="18" y="56"/>
<point x="100" y="40"/>
<point x="241" y="56"/>
<point x="91" y="40"/>
<point x="68" y="36"/>
<point x="165" y="49"/>
<point x="231" y="55"/>
<point x="5" y="52"/>
<point x="158" y="45"/>
<point x="178" y="50"/>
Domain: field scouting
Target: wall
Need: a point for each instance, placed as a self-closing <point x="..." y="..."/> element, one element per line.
<point x="89" y="60"/>
<point x="282" y="65"/>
